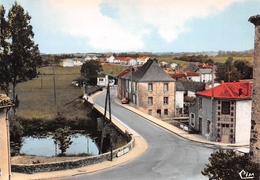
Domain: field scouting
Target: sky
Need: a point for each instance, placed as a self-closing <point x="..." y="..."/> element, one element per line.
<point x="100" y="26"/>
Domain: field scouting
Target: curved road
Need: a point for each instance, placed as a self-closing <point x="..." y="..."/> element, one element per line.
<point x="167" y="157"/>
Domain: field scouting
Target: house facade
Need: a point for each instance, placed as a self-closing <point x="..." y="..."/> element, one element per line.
<point x="5" y="165"/>
<point x="150" y="90"/>
<point x="223" y="113"/>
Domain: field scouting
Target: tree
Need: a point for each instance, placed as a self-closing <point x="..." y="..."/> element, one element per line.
<point x="245" y="69"/>
<point x="62" y="139"/>
<point x="228" y="164"/>
<point x="22" y="57"/>
<point x="4" y="51"/>
<point x="90" y="71"/>
<point x="227" y="71"/>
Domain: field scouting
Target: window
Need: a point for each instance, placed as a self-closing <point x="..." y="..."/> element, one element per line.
<point x="200" y="103"/>
<point x="150" y="87"/>
<point x="165" y="100"/>
<point x="192" y="119"/>
<point x="165" y="87"/>
<point x="150" y="112"/>
<point x="135" y="86"/>
<point x="225" y="108"/>
<point x="150" y="101"/>
<point x="208" y="126"/>
<point x="165" y="111"/>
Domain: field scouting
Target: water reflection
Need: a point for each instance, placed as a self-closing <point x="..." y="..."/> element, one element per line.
<point x="46" y="147"/>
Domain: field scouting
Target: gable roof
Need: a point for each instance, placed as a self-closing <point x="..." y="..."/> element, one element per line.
<point x="192" y="74"/>
<point x="122" y="59"/>
<point x="124" y="73"/>
<point x="151" y="72"/>
<point x="177" y="75"/>
<point x="179" y="86"/>
<point x="229" y="90"/>
<point x="205" y="71"/>
<point x="193" y="86"/>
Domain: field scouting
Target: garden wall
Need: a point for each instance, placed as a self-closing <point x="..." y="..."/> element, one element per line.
<point x="71" y="164"/>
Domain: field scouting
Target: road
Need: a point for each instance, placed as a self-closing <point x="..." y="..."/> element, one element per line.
<point x="168" y="156"/>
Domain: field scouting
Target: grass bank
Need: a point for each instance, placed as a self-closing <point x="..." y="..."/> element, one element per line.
<point x="50" y="93"/>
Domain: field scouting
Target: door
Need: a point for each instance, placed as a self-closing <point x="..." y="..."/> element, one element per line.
<point x="225" y="133"/>
<point x="200" y="125"/>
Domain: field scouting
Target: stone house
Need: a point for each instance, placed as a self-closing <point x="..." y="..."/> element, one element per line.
<point x="223" y="113"/>
<point x="149" y="89"/>
<point x="5" y="165"/>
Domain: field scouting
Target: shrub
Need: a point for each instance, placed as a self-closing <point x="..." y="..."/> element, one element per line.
<point x="228" y="164"/>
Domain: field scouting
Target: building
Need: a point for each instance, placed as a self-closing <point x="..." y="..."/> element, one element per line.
<point x="149" y="89"/>
<point x="223" y="113"/>
<point x="5" y="165"/>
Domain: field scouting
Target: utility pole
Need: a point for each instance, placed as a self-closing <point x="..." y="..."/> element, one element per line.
<point x="107" y="101"/>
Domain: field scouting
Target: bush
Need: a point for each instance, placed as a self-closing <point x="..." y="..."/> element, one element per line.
<point x="228" y="164"/>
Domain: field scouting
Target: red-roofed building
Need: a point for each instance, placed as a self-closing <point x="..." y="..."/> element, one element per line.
<point x="141" y="60"/>
<point x="193" y="76"/>
<point x="223" y="113"/>
<point x="178" y="76"/>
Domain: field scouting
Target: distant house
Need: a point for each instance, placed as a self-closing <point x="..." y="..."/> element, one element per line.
<point x="193" y="76"/>
<point x="110" y="59"/>
<point x="163" y="64"/>
<point x="123" y="84"/>
<point x="191" y="88"/>
<point x="149" y="89"/>
<point x="70" y="62"/>
<point x="141" y="60"/>
<point x="179" y="99"/>
<point x="205" y="75"/>
<point x="177" y="76"/>
<point x="122" y="60"/>
<point x="223" y="113"/>
<point x="174" y="65"/>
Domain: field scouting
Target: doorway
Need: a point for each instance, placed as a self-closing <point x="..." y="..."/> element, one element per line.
<point x="225" y="131"/>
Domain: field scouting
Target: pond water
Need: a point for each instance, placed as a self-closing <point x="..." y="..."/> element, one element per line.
<point x="46" y="147"/>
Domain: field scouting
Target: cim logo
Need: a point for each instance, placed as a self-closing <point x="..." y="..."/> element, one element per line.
<point x="246" y="175"/>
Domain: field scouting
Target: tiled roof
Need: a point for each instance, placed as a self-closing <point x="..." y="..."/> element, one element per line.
<point x="193" y="86"/>
<point x="192" y="74"/>
<point x="122" y="59"/>
<point x="177" y="75"/>
<point x="179" y="86"/>
<point x="124" y="73"/>
<point x="205" y="71"/>
<point x="151" y="72"/>
<point x="230" y="90"/>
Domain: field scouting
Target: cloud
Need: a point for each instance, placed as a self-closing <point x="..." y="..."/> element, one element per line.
<point x="124" y="28"/>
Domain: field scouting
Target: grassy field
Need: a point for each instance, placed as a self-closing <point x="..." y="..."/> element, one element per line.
<point x="114" y="68"/>
<point x="37" y="96"/>
<point x="215" y="59"/>
<point x="52" y="92"/>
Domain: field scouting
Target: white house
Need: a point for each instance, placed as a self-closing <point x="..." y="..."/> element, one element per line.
<point x="141" y="60"/>
<point x="179" y="99"/>
<point x="174" y="65"/>
<point x="193" y="76"/>
<point x="110" y="59"/>
<point x="205" y="75"/>
<point x="67" y="63"/>
<point x="223" y="113"/>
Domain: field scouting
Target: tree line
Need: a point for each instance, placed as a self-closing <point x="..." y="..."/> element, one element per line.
<point x="19" y="54"/>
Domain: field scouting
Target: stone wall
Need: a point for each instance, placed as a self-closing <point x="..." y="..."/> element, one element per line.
<point x="36" y="168"/>
<point x="71" y="164"/>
